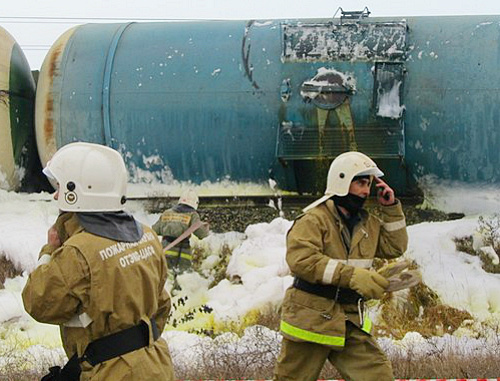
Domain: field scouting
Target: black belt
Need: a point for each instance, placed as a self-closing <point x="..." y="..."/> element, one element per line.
<point x="104" y="349"/>
<point x="119" y="343"/>
<point x="342" y="295"/>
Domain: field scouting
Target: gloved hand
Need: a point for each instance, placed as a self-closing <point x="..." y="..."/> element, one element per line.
<point x="406" y="279"/>
<point x="398" y="278"/>
<point x="394" y="268"/>
<point x="368" y="283"/>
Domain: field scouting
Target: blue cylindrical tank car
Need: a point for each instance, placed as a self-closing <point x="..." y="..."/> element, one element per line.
<point x="249" y="100"/>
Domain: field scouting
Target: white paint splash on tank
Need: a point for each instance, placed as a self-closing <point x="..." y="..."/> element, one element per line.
<point x="347" y="79"/>
<point x="394" y="49"/>
<point x="149" y="161"/>
<point x="389" y="106"/>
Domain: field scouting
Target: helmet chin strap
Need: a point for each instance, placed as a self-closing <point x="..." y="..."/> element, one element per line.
<point x="350" y="202"/>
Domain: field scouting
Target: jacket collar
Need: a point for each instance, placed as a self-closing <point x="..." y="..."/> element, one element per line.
<point x="359" y="230"/>
<point x="72" y="225"/>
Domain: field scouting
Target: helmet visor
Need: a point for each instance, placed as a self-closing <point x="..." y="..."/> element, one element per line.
<point x="371" y="172"/>
<point x="47" y="172"/>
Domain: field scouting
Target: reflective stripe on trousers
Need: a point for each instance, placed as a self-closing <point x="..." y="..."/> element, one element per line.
<point x="175" y="254"/>
<point x="313" y="337"/>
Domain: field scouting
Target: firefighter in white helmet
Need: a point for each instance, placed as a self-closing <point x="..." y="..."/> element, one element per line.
<point x="179" y="222"/>
<point x="101" y="275"/>
<point x="330" y="250"/>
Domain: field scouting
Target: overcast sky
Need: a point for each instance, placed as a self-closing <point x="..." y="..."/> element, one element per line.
<point x="36" y="24"/>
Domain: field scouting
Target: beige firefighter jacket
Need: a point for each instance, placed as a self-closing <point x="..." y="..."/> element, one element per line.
<point x="93" y="286"/>
<point x="321" y="250"/>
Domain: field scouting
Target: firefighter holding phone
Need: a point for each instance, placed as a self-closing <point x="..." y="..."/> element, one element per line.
<point x="330" y="251"/>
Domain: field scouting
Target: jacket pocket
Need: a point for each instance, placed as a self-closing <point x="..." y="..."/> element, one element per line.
<point x="307" y="317"/>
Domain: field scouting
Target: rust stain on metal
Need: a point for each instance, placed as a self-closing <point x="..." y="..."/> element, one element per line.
<point x="347" y="128"/>
<point x="48" y="125"/>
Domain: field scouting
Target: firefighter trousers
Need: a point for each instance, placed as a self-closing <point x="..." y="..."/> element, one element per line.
<point x="361" y="359"/>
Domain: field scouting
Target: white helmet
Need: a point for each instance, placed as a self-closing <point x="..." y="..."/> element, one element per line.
<point x="189" y="198"/>
<point x="343" y="169"/>
<point x="90" y="177"/>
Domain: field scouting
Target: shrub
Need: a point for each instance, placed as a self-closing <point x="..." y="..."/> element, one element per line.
<point x="7" y="270"/>
<point x="488" y="233"/>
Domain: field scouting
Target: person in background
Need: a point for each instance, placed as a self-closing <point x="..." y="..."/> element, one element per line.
<point x="101" y="275"/>
<point x="330" y="251"/>
<point x="178" y="223"/>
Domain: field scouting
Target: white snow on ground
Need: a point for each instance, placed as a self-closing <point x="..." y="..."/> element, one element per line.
<point x="454" y="196"/>
<point x="258" y="276"/>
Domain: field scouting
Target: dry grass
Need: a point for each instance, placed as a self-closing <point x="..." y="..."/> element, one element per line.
<point x="7" y="270"/>
<point x="439" y="365"/>
<point x="417" y="310"/>
<point x="218" y="273"/>
<point x="464" y="244"/>
<point x="253" y="356"/>
<point x="229" y="357"/>
<point x="21" y="365"/>
<point x="223" y="360"/>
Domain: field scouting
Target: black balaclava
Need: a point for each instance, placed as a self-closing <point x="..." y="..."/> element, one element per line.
<point x="352" y="203"/>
